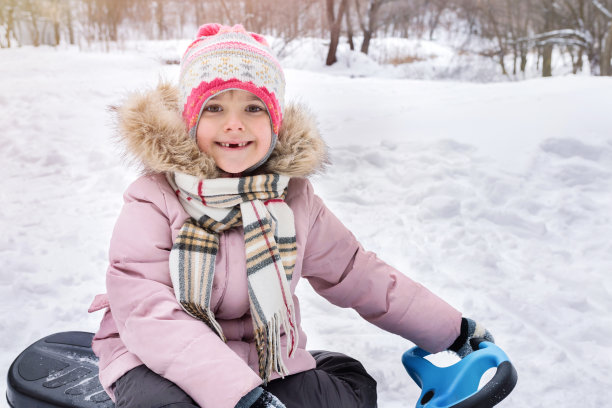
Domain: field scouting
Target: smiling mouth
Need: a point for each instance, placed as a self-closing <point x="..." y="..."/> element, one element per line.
<point x="233" y="145"/>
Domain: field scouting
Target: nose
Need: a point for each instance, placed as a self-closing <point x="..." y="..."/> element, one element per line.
<point x="233" y="122"/>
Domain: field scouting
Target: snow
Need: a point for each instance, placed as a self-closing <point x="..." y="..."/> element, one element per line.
<point x="496" y="196"/>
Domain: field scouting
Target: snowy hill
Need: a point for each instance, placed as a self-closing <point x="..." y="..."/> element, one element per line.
<point x="495" y="196"/>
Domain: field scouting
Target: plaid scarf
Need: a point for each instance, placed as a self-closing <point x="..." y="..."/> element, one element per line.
<point x="257" y="204"/>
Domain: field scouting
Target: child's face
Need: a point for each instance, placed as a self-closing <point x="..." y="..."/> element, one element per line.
<point x="235" y="130"/>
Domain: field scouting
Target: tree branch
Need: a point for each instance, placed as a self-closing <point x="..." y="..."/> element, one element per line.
<point x="602" y="8"/>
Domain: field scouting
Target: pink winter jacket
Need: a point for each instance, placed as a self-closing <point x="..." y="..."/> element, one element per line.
<point x="144" y="324"/>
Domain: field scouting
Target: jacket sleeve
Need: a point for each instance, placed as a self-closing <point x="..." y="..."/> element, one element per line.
<point x="150" y="321"/>
<point x="341" y="271"/>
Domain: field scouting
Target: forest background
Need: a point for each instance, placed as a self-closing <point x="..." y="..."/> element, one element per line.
<point x="510" y="32"/>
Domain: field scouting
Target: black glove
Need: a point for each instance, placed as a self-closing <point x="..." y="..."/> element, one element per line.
<point x="259" y="398"/>
<point x="472" y="333"/>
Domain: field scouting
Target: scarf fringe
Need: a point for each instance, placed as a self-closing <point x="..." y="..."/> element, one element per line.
<point x="267" y="340"/>
<point x="215" y="325"/>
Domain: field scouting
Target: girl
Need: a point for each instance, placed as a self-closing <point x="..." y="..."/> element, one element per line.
<point x="213" y="239"/>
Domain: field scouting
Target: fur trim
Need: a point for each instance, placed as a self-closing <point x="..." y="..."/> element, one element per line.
<point x="151" y="126"/>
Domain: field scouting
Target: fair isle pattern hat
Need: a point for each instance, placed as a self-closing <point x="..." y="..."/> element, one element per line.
<point x="223" y="58"/>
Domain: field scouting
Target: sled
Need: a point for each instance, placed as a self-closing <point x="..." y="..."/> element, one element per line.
<point x="456" y="386"/>
<point x="61" y="371"/>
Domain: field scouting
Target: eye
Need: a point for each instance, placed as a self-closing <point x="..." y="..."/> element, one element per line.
<point x="213" y="108"/>
<point x="254" y="108"/>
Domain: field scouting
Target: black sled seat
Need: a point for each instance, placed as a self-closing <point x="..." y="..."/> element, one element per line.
<point x="59" y="370"/>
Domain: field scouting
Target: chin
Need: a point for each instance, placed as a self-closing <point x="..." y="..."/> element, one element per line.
<point x="233" y="172"/>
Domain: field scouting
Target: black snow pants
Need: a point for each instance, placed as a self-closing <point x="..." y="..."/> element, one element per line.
<point x="338" y="381"/>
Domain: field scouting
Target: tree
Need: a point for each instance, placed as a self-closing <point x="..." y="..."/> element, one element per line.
<point x="159" y="19"/>
<point x="334" y="20"/>
<point x="372" y="24"/>
<point x="494" y="25"/>
<point x="7" y="19"/>
<point x="549" y="19"/>
<point x="435" y="8"/>
<point x="606" y="52"/>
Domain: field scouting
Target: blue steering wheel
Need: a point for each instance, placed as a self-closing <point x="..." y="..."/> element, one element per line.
<point x="456" y="386"/>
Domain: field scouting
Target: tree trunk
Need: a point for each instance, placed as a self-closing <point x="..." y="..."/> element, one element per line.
<point x="502" y="63"/>
<point x="606" y="54"/>
<point x="547" y="48"/>
<point x="69" y="24"/>
<point x="159" y="19"/>
<point x="523" y="60"/>
<point x="547" y="60"/>
<point x="113" y="31"/>
<point x="333" y="46"/>
<point x="515" y="58"/>
<point x="9" y="26"/>
<point x="594" y="57"/>
<point x="349" y="27"/>
<point x="433" y="22"/>
<point x="372" y="25"/>
<point x="576" y="61"/>
<point x="56" y="32"/>
<point x="34" y="30"/>
<point x="335" y="23"/>
<point x="500" y="36"/>
<point x="365" y="45"/>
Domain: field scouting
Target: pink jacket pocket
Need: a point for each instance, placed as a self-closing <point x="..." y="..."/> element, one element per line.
<point x="100" y="302"/>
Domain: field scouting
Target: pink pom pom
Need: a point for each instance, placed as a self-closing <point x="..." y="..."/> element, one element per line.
<point x="211" y="29"/>
<point x="207" y="30"/>
<point x="260" y="39"/>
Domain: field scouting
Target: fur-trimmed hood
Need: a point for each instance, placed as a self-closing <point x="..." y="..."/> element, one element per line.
<point x="151" y="127"/>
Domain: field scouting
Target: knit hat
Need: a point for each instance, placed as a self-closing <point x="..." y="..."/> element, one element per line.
<point x="223" y="58"/>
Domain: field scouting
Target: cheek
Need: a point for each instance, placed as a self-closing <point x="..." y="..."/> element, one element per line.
<point x="202" y="146"/>
<point x="203" y="138"/>
<point x="265" y="142"/>
<point x="264" y="135"/>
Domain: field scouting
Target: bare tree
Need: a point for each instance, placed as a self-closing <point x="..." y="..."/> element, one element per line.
<point x="349" y="26"/>
<point x="606" y="52"/>
<point x="7" y="19"/>
<point x="493" y="25"/>
<point x="370" y="24"/>
<point x="435" y="8"/>
<point x="69" y="21"/>
<point x="334" y="21"/>
<point x="159" y="18"/>
<point x="583" y="25"/>
<point x="580" y="28"/>
<point x="54" y="11"/>
<point x="519" y="20"/>
<point x="547" y="45"/>
<point x="291" y="20"/>
<point x="30" y="9"/>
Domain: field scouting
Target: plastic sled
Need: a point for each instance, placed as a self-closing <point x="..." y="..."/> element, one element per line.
<point x="59" y="370"/>
<point x="456" y="386"/>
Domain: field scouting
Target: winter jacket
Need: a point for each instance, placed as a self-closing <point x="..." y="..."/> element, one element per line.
<point x="143" y="322"/>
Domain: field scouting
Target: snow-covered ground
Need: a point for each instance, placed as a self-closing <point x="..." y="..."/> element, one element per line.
<point x="496" y="196"/>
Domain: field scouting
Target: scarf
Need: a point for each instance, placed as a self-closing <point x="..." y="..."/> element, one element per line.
<point x="257" y="204"/>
